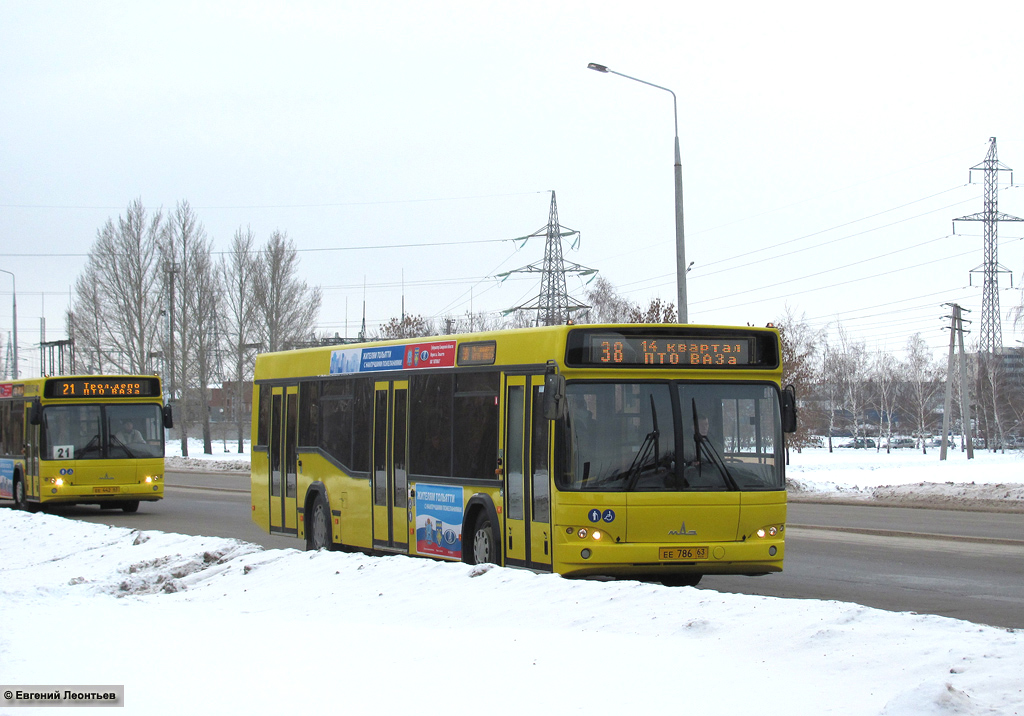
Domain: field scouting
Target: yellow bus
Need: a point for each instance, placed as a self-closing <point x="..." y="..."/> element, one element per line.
<point x="646" y="451"/>
<point x="96" y="439"/>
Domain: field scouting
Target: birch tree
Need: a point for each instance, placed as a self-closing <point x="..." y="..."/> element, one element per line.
<point x="885" y="377"/>
<point x="238" y="273"/>
<point x="287" y="308"/>
<point x="193" y="300"/>
<point x="116" y="308"/>
<point x="923" y="377"/>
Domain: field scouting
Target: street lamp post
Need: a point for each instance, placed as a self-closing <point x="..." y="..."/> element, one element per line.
<point x="14" y="313"/>
<point x="680" y="244"/>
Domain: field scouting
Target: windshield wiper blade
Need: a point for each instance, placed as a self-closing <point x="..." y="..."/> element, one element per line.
<point x="651" y="441"/>
<point x="115" y="439"/>
<point x="702" y="442"/>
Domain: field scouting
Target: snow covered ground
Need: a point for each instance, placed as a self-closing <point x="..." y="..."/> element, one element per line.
<point x="906" y="476"/>
<point x="211" y="625"/>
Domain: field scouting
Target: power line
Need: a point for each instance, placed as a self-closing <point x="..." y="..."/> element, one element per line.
<point x="326" y="205"/>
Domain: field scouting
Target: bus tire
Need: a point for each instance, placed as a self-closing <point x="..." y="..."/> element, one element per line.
<point x="484" y="547"/>
<point x="20" y="501"/>
<point x="318" y="532"/>
<point x="130" y="506"/>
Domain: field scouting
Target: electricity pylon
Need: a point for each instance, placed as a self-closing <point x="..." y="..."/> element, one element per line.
<point x="991" y="326"/>
<point x="553" y="304"/>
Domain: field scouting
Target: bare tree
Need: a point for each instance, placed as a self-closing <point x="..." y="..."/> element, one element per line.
<point x="885" y="380"/>
<point x="831" y="386"/>
<point x="606" y="305"/>
<point x="845" y="369"/>
<point x="924" y="379"/>
<point x="237" y="271"/>
<point x="287" y="308"/>
<point x="188" y="271"/>
<point x="408" y="327"/>
<point x="657" y="311"/>
<point x="86" y="323"/>
<point x="115" y="307"/>
<point x="800" y="345"/>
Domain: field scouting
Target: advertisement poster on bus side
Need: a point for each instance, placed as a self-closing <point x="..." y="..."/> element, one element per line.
<point x="439" y="520"/>
<point x="430" y="355"/>
<point x="7" y="479"/>
<point x="404" y="357"/>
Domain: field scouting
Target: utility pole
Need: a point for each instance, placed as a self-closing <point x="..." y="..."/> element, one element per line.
<point x="171" y="268"/>
<point x="956" y="328"/>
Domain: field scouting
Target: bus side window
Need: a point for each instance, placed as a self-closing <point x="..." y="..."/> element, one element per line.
<point x="5" y="418"/>
<point x="430" y="421"/>
<point x="263" y="420"/>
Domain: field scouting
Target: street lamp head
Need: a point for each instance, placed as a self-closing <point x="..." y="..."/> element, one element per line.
<point x="597" y="67"/>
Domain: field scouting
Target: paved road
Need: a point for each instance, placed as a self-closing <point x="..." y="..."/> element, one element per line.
<point x="967" y="565"/>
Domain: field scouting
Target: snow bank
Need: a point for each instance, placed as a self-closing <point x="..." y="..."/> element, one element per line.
<point x="209" y="625"/>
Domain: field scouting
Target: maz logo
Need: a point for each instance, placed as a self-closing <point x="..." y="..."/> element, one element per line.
<point x="683" y="532"/>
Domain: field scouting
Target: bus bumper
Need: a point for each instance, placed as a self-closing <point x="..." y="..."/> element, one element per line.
<point x="53" y="491"/>
<point x="580" y="558"/>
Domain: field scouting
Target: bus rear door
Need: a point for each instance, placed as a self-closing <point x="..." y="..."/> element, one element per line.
<point x="390" y="477"/>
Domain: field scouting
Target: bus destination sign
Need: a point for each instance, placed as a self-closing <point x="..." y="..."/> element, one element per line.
<point x="102" y="388"/>
<point x="661" y="351"/>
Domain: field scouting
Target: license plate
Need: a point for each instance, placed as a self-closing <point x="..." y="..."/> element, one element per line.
<point x="668" y="554"/>
<point x="106" y="490"/>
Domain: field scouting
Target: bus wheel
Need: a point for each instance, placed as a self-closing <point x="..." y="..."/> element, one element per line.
<point x="318" y="532"/>
<point x="130" y="506"/>
<point x="20" y="502"/>
<point x="484" y="547"/>
<point x="681" y="580"/>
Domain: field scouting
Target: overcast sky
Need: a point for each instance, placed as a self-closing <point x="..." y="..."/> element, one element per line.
<point x="825" y="152"/>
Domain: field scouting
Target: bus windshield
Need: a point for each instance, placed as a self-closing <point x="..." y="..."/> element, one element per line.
<point x="669" y="436"/>
<point x="95" y="432"/>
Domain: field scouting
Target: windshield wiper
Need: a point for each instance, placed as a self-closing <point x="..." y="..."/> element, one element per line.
<point x="650" y="444"/>
<point x="115" y="439"/>
<point x="702" y="442"/>
<point x="93" y="444"/>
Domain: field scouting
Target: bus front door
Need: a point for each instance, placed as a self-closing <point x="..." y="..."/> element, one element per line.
<point x="283" y="460"/>
<point x="390" y="476"/>
<point x="527" y="538"/>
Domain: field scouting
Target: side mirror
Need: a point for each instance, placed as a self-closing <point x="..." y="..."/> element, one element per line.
<point x="789" y="409"/>
<point x="35" y="414"/>
<point x="168" y="417"/>
<point x="554" y="396"/>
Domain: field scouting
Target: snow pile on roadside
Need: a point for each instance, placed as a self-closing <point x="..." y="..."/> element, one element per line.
<point x="989" y="481"/>
<point x="188" y="606"/>
<point x="207" y="463"/>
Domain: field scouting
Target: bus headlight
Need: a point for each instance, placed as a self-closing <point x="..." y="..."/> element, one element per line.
<point x="770" y="531"/>
<point x="582" y="533"/>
